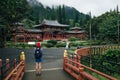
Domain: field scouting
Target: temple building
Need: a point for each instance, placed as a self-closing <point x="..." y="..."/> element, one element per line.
<point x="47" y="30"/>
<point x="76" y="32"/>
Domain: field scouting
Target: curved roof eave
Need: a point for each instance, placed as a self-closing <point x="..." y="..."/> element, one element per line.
<point x="60" y="25"/>
<point x="75" y="32"/>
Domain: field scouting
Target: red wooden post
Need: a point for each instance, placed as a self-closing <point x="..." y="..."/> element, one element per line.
<point x="0" y="65"/>
<point x="22" y="58"/>
<point x="14" y="75"/>
<point x="15" y="63"/>
<point x="7" y="65"/>
<point x="71" y="63"/>
<point x="71" y="59"/>
<point x="81" y="77"/>
<point x="65" y="57"/>
<point x="75" y="60"/>
<point x="78" y="60"/>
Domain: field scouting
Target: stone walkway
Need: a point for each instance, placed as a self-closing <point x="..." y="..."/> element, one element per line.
<point x="51" y="66"/>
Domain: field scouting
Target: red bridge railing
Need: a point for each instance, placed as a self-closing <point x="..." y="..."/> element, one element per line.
<point x="77" y="70"/>
<point x="14" y="72"/>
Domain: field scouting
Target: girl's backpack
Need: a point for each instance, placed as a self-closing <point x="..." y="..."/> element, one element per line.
<point x="38" y="53"/>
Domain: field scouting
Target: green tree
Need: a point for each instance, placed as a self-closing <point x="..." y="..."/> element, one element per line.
<point x="105" y="27"/>
<point x="59" y="14"/>
<point x="76" y="17"/>
<point x="53" y="13"/>
<point x="63" y="15"/>
<point x="12" y="11"/>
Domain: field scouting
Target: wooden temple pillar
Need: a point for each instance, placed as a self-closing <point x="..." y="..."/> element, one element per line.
<point x="25" y="36"/>
<point x="45" y="36"/>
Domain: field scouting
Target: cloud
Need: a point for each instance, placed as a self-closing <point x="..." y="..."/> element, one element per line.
<point x="96" y="7"/>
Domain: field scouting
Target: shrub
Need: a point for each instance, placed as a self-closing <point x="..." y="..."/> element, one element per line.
<point x="73" y="44"/>
<point x="60" y="44"/>
<point x="111" y="60"/>
<point x="48" y="45"/>
<point x="73" y="39"/>
<point x="112" y="55"/>
<point x="53" y="42"/>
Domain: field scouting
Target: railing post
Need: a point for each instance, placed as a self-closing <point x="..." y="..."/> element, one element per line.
<point x="14" y="75"/>
<point x="7" y="65"/>
<point x="71" y="63"/>
<point x="75" y="60"/>
<point x="22" y="58"/>
<point x="78" y="60"/>
<point x="15" y="63"/>
<point x="71" y="59"/>
<point x="81" y="77"/>
<point x="64" y="59"/>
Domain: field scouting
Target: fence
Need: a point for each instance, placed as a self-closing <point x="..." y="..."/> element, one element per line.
<point x="6" y="68"/>
<point x="96" y="50"/>
<point x="12" y="70"/>
<point x="78" y="71"/>
<point x="94" y="55"/>
<point x="99" y="50"/>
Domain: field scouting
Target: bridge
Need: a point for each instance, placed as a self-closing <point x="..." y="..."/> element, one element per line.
<point x="55" y="66"/>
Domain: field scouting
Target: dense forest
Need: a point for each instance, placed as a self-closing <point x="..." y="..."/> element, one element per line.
<point x="62" y="13"/>
<point x="106" y="26"/>
<point x="31" y="12"/>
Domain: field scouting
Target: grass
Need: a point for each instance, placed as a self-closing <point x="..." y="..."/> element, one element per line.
<point x="99" y="76"/>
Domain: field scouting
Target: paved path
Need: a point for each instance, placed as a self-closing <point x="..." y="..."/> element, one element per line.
<point x="51" y="66"/>
<point x="52" y="63"/>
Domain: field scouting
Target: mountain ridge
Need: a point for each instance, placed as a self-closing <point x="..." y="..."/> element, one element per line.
<point x="62" y="13"/>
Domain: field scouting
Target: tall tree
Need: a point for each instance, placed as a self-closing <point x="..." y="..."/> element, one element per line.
<point x="12" y="11"/>
<point x="59" y="14"/>
<point x="76" y="17"/>
<point x="53" y="13"/>
<point x="63" y="15"/>
<point x="105" y="27"/>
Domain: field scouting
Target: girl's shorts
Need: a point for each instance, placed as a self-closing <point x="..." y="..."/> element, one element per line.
<point x="38" y="60"/>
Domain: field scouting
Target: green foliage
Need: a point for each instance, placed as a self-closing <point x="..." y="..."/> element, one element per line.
<point x="53" y="42"/>
<point x="108" y="62"/>
<point x="112" y="55"/>
<point x="111" y="60"/>
<point x="61" y="44"/>
<point x="105" y="27"/>
<point x="3" y="37"/>
<point x="18" y="45"/>
<point x="48" y="45"/>
<point x="61" y="13"/>
<point x="73" y="39"/>
<point x="28" y="23"/>
<point x="74" y="44"/>
<point x="97" y="42"/>
<point x="13" y="10"/>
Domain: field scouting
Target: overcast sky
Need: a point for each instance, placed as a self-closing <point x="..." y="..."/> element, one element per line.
<point x="96" y="7"/>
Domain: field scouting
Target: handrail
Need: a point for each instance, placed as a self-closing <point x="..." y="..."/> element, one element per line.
<point x="19" y="67"/>
<point x="18" y="70"/>
<point x="76" y="69"/>
<point x="93" y="70"/>
<point x="81" y="73"/>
